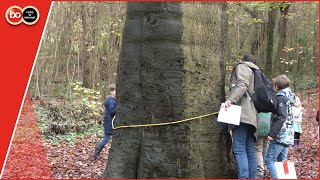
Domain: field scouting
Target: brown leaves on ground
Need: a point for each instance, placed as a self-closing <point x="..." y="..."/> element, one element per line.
<point x="76" y="161"/>
<point x="27" y="157"/>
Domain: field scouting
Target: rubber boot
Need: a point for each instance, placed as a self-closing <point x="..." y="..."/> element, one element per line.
<point x="96" y="154"/>
<point x="298" y="143"/>
<point x="295" y="143"/>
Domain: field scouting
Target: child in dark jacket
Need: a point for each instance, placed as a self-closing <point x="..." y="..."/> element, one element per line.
<point x="281" y="133"/>
<point x="110" y="106"/>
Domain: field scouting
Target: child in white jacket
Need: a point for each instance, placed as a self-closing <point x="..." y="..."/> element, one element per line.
<point x="297" y="112"/>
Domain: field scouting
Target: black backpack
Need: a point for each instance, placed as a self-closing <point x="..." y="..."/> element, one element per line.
<point x="264" y="96"/>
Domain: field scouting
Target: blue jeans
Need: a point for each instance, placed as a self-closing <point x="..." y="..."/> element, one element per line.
<point x="104" y="141"/>
<point x="276" y="152"/>
<point x="243" y="147"/>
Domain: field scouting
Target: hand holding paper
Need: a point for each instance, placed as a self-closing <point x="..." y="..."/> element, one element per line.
<point x="227" y="104"/>
<point x="229" y="115"/>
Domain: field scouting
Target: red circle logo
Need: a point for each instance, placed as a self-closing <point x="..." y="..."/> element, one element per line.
<point x="14" y="15"/>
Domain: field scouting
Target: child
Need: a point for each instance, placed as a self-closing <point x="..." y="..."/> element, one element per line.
<point x="297" y="111"/>
<point x="110" y="105"/>
<point x="281" y="130"/>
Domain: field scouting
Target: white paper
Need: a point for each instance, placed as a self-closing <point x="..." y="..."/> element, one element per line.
<point x="280" y="171"/>
<point x="231" y="115"/>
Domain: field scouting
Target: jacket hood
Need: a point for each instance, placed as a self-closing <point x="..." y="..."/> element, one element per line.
<point x="250" y="64"/>
<point x="287" y="92"/>
<point x="110" y="97"/>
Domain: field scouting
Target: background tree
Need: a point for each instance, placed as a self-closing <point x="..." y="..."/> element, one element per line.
<point x="77" y="61"/>
<point x="81" y="44"/>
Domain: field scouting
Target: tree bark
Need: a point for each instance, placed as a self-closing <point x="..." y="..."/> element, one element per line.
<point x="255" y="40"/>
<point x="281" y="54"/>
<point x="270" y="43"/>
<point x="316" y="38"/>
<point x="85" y="55"/>
<point x="168" y="71"/>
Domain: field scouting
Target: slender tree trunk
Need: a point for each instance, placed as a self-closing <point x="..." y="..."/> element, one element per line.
<point x="85" y="55"/>
<point x="257" y="30"/>
<point x="281" y="54"/>
<point x="270" y="43"/>
<point x="315" y="45"/>
<point x="169" y="70"/>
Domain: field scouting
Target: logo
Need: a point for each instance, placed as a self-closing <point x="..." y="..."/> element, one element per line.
<point x="28" y="15"/>
<point x="14" y="15"/>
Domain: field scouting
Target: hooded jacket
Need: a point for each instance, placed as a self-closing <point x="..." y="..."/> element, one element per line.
<point x="240" y="85"/>
<point x="282" y="122"/>
<point x="110" y="106"/>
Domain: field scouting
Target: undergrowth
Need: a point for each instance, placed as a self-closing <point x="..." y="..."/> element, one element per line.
<point x="67" y="119"/>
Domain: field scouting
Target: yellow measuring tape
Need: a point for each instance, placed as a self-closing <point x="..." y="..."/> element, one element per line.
<point x="162" y="124"/>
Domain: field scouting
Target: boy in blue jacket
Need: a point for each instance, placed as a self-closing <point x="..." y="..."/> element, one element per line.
<point x="110" y="106"/>
<point x="281" y="133"/>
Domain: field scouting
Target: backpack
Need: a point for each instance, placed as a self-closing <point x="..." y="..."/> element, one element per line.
<point x="264" y="124"/>
<point x="264" y="96"/>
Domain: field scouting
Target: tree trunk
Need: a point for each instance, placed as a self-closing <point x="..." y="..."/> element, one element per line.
<point x="281" y="54"/>
<point x="270" y="43"/>
<point x="315" y="49"/>
<point x="255" y="40"/>
<point x="85" y="55"/>
<point x="168" y="71"/>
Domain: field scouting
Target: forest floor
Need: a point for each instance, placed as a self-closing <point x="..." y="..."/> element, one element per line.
<point x="75" y="160"/>
<point x="306" y="157"/>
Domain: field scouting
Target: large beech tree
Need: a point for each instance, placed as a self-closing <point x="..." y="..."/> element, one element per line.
<point x="169" y="70"/>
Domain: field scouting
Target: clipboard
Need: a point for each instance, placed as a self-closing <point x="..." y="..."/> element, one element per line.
<point x="231" y="115"/>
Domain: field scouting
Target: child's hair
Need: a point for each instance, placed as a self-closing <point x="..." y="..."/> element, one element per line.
<point x="282" y="81"/>
<point x="111" y="88"/>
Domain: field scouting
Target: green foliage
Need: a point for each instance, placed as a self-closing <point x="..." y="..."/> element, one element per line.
<point x="42" y="116"/>
<point x="255" y="21"/>
<point x="267" y="6"/>
<point x="73" y="116"/>
<point x="59" y="90"/>
<point x="81" y="95"/>
<point x="307" y="82"/>
<point x="230" y="11"/>
<point x="73" y="137"/>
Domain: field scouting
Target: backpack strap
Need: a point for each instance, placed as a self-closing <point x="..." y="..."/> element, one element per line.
<point x="253" y="82"/>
